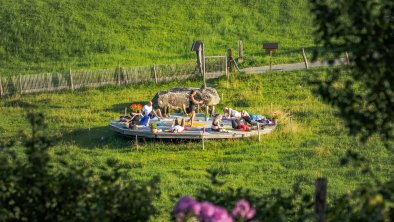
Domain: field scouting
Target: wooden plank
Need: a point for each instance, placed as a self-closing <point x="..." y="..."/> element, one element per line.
<point x="189" y="134"/>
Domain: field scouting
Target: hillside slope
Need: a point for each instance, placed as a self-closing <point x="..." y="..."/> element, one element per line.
<point x="38" y="35"/>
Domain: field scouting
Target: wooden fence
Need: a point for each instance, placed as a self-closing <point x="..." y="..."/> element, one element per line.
<point x="70" y="79"/>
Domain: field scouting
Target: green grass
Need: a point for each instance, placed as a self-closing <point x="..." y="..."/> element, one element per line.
<point x="45" y="36"/>
<point x="312" y="148"/>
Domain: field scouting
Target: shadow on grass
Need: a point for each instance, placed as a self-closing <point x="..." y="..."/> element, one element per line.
<point x="96" y="137"/>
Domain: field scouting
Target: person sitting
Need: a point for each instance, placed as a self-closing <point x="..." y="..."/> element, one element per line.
<point x="216" y="124"/>
<point x="228" y="112"/>
<point x="136" y="118"/>
<point x="148" y="110"/>
<point x="239" y="124"/>
<point x="176" y="127"/>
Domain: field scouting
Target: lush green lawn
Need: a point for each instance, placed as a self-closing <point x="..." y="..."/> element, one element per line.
<point x="102" y="34"/>
<point x="312" y="148"/>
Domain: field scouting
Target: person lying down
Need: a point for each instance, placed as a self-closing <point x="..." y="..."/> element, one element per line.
<point x="176" y="127"/>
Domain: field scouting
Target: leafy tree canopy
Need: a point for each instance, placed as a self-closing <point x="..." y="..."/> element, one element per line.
<point x="363" y="91"/>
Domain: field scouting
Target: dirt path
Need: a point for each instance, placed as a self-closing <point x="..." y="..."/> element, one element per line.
<point x="288" y="67"/>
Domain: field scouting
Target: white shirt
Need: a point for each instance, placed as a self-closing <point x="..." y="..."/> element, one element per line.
<point x="146" y="110"/>
<point x="177" y="129"/>
<point x="235" y="113"/>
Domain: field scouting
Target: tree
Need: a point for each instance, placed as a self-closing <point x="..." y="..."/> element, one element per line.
<point x="32" y="189"/>
<point x="364" y="91"/>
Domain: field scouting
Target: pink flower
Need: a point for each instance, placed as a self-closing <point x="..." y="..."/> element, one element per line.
<point x="243" y="210"/>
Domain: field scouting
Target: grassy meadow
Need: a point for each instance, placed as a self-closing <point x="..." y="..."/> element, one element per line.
<point x="47" y="36"/>
<point x="311" y="148"/>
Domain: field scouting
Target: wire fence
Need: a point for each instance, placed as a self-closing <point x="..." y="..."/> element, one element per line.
<point x="70" y="79"/>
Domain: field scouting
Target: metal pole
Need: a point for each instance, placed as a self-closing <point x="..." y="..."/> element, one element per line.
<point x="270" y="60"/>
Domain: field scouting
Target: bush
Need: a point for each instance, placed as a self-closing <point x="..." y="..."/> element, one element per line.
<point x="34" y="190"/>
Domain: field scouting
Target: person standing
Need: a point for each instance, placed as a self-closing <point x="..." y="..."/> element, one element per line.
<point x="193" y="102"/>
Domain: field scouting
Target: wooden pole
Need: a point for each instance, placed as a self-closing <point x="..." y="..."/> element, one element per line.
<point x="71" y="81"/>
<point x="270" y="60"/>
<point x="320" y="199"/>
<point x="136" y="142"/>
<point x="230" y="64"/>
<point x="271" y="109"/>
<point x="347" y="58"/>
<point x="305" y="59"/>
<point x="118" y="74"/>
<point x="20" y="83"/>
<point x="240" y="51"/>
<point x="1" y="89"/>
<point x="125" y="111"/>
<point x="202" y="138"/>
<point x="154" y="70"/>
<point x="227" y="75"/>
<point x="203" y="65"/>
<point x="258" y="130"/>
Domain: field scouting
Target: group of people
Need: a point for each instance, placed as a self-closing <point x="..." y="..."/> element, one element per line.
<point x="239" y="120"/>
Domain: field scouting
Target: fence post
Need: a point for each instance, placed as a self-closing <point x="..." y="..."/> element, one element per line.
<point x="258" y="128"/>
<point x="270" y="60"/>
<point x="230" y="64"/>
<point x="305" y="59"/>
<point x="154" y="70"/>
<point x="20" y="83"/>
<point x="227" y="75"/>
<point x="320" y="199"/>
<point x="203" y="67"/>
<point x="1" y="89"/>
<point x="240" y="51"/>
<point x="118" y="72"/>
<point x="71" y="81"/>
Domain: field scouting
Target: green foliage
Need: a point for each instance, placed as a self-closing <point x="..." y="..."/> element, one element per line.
<point x="274" y="206"/>
<point x="153" y="125"/>
<point x="43" y="36"/>
<point x="33" y="190"/>
<point x="363" y="92"/>
<point x="313" y="147"/>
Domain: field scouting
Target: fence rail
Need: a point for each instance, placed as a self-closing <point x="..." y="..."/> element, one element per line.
<point x="70" y="79"/>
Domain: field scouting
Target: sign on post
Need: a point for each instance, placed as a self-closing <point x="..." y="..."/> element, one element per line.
<point x="270" y="48"/>
<point x="198" y="47"/>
